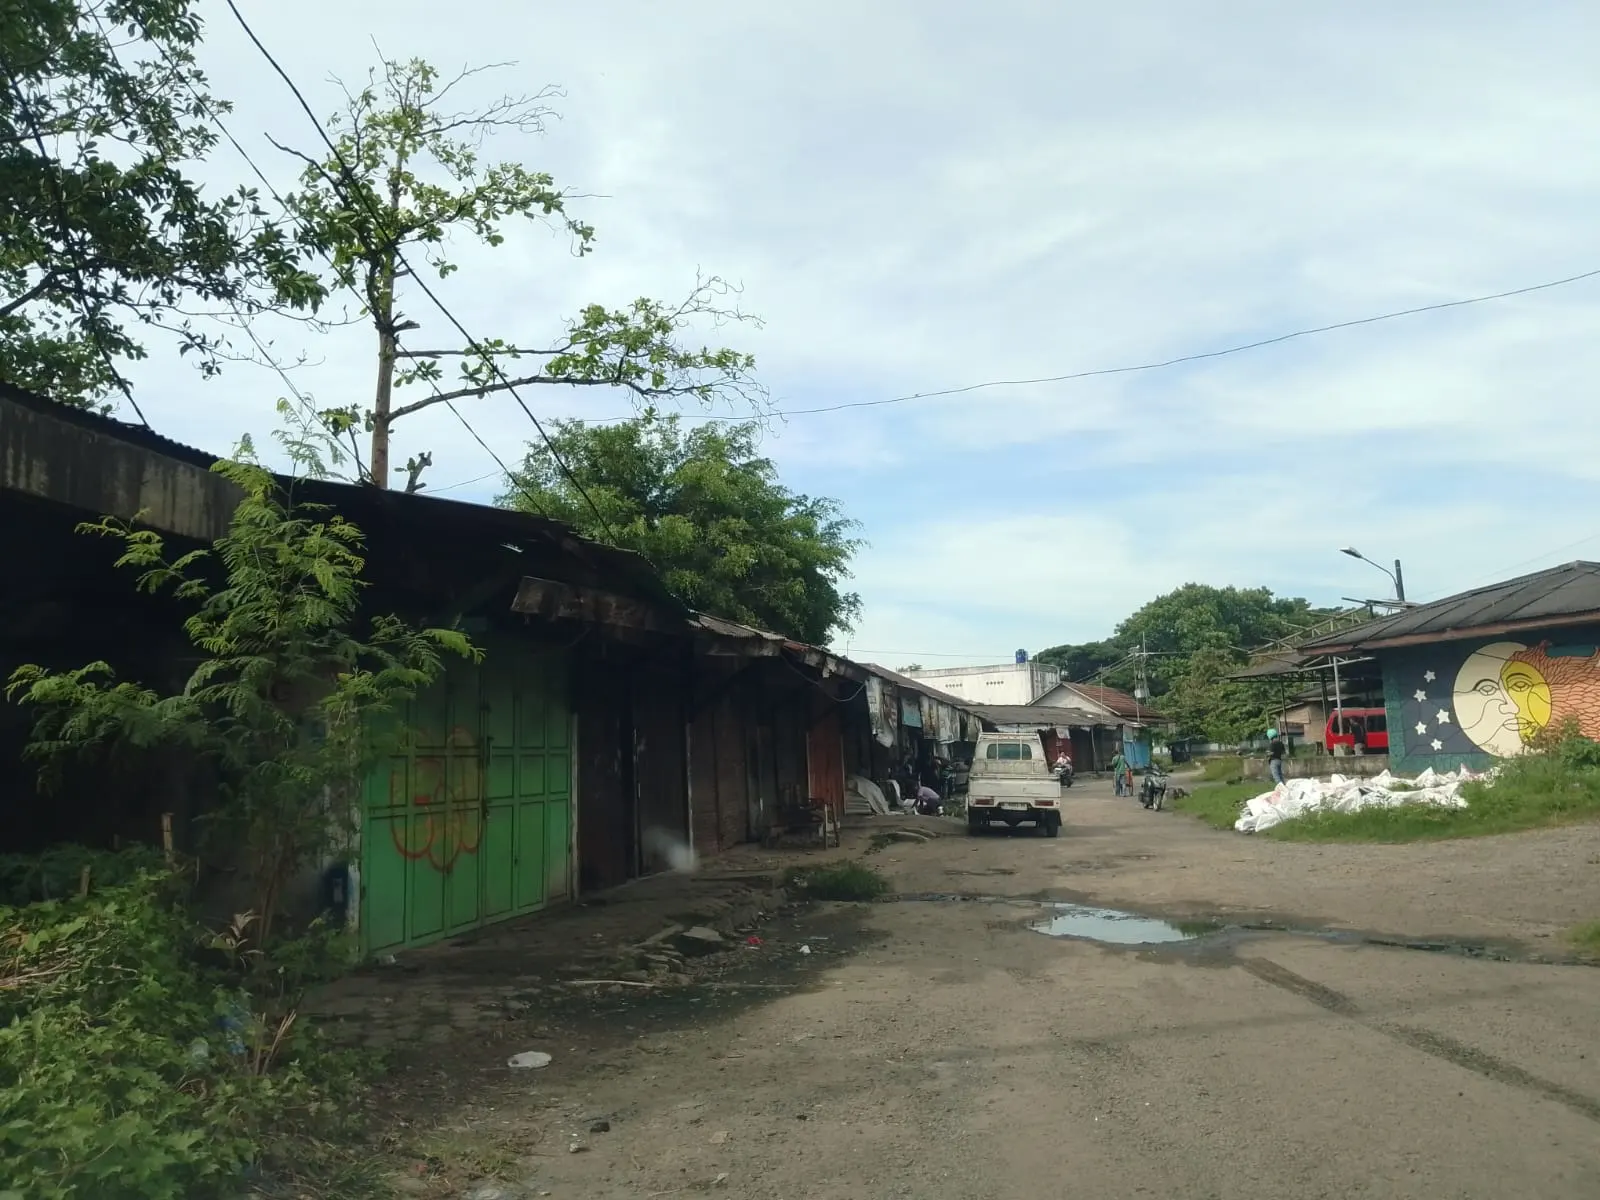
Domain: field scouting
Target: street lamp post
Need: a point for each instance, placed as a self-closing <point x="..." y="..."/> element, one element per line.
<point x="1396" y="575"/>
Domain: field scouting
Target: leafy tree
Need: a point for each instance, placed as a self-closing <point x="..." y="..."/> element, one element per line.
<point x="408" y="179"/>
<point x="102" y="111"/>
<point x="1081" y="662"/>
<point x="708" y="511"/>
<point x="287" y="687"/>
<point x="1196" y="636"/>
<point x="1204" y="701"/>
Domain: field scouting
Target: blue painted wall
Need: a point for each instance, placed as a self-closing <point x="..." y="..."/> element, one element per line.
<point x="1455" y="704"/>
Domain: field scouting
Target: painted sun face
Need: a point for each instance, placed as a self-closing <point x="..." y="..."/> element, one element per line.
<point x="1485" y="709"/>
<point x="1530" y="692"/>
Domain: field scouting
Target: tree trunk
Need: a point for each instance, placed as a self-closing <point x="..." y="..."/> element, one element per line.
<point x="380" y="409"/>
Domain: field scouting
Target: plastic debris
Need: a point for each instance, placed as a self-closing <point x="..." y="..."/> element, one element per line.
<point x="529" y="1060"/>
<point x="752" y="940"/>
<point x="805" y="949"/>
<point x="1297" y="797"/>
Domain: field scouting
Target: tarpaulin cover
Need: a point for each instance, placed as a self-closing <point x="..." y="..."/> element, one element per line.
<point x="1297" y="797"/>
<point x="881" y="710"/>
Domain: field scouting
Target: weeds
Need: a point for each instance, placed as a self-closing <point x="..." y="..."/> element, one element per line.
<point x="138" y="1062"/>
<point x="1586" y="938"/>
<point x="852" y="881"/>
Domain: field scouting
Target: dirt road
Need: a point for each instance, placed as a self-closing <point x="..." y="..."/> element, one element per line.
<point x="941" y="1048"/>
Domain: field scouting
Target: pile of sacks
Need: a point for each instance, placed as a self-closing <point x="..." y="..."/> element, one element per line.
<point x="1297" y="797"/>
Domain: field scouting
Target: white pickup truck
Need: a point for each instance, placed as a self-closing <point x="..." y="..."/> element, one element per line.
<point x="1011" y="784"/>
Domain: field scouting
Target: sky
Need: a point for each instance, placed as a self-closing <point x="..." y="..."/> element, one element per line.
<point x="919" y="195"/>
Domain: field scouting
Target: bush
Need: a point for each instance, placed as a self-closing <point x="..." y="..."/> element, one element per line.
<point x="842" y="881"/>
<point x="129" y="1069"/>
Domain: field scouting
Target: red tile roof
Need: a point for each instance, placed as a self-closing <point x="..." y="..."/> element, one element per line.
<point x="1120" y="703"/>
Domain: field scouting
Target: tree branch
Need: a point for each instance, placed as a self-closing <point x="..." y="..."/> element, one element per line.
<point x="534" y="380"/>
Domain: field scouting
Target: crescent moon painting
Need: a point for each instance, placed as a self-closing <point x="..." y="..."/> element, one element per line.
<point x="1487" y="702"/>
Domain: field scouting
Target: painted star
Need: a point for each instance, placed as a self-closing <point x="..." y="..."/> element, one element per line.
<point x="1428" y="677"/>
<point x="1422" y="696"/>
<point x="1437" y="745"/>
<point x="1442" y="716"/>
<point x="1421" y="729"/>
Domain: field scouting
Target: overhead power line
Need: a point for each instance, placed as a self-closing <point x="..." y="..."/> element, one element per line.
<point x="417" y="278"/>
<point x="1159" y="364"/>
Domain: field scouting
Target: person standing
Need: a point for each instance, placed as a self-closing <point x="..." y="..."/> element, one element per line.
<point x="1275" y="753"/>
<point x="1119" y="773"/>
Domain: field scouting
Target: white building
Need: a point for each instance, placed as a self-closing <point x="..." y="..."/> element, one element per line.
<point x="1009" y="683"/>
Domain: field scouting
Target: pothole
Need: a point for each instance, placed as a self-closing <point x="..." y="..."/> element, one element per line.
<point x="1114" y="927"/>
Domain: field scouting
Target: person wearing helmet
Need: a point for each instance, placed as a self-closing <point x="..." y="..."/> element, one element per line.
<point x="1275" y="753"/>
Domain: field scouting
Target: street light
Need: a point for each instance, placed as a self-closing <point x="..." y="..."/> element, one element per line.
<point x="1396" y="575"/>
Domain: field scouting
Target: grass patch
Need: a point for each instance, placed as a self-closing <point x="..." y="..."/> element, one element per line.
<point x="852" y="881"/>
<point x="1218" y="804"/>
<point x="1223" y="768"/>
<point x="1586" y="938"/>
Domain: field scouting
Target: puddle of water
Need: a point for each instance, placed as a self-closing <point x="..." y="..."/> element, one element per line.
<point x="1116" y="928"/>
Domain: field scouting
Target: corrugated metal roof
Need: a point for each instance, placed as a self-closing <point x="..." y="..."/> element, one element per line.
<point x="912" y="685"/>
<point x="1042" y="715"/>
<point x="1565" y="595"/>
<point x="364" y="504"/>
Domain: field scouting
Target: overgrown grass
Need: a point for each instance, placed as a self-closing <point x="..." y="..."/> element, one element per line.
<point x="1586" y="938"/>
<point x="1221" y="768"/>
<point x="142" y="1057"/>
<point x="839" y="881"/>
<point x="1218" y="804"/>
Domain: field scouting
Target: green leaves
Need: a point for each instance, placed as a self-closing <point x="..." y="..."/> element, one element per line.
<point x="408" y="181"/>
<point x="708" y="511"/>
<point x="289" y="675"/>
<point x="100" y="226"/>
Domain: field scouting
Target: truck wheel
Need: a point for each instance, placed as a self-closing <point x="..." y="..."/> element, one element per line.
<point x="1052" y="825"/>
<point x="975" y="826"/>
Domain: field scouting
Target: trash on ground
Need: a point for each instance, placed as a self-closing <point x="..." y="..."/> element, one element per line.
<point x="529" y="1060"/>
<point x="1297" y="797"/>
<point x="752" y="941"/>
<point x="805" y="949"/>
<point x="719" y="1137"/>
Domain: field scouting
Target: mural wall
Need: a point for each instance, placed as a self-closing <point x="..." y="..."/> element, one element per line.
<point x="1477" y="701"/>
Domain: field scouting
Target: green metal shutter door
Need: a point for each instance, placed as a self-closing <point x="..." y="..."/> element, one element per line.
<point x="471" y="823"/>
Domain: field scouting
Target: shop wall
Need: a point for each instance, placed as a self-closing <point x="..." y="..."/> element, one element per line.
<point x="1476" y="702"/>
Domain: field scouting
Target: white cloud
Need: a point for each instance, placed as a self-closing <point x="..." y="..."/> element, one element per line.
<point x="925" y="195"/>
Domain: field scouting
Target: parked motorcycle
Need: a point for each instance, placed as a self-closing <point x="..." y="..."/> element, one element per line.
<point x="1153" y="792"/>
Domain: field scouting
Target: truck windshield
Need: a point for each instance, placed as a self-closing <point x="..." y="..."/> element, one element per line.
<point x="1011" y="751"/>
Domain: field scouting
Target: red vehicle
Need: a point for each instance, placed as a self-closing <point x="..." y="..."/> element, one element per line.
<point x="1368" y="727"/>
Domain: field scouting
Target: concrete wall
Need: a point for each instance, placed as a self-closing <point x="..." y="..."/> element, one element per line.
<point x="97" y="475"/>
<point x="1009" y="683"/>
<point x="1475" y="702"/>
<point x="1320" y="766"/>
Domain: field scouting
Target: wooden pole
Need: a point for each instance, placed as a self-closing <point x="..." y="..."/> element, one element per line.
<point x="83" y="881"/>
<point x="166" y="837"/>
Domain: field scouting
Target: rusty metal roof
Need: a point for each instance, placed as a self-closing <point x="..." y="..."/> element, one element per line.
<point x="1564" y="595"/>
<point x="1120" y="703"/>
<point x="1042" y="715"/>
